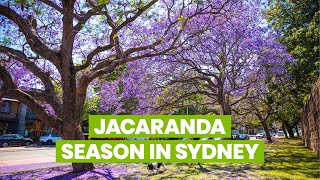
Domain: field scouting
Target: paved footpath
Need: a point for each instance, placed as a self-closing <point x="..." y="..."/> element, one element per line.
<point x="27" y="158"/>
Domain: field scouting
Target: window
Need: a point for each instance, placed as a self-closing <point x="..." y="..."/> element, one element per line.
<point x="6" y="137"/>
<point x="19" y="137"/>
<point x="55" y="135"/>
<point x="3" y="137"/>
<point x="46" y="134"/>
<point x="5" y="107"/>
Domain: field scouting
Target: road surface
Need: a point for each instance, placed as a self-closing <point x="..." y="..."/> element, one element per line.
<point x="28" y="158"/>
<point x="26" y="155"/>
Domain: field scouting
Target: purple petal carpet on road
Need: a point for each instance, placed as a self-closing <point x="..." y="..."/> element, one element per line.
<point x="25" y="167"/>
<point x="40" y="171"/>
<point x="52" y="171"/>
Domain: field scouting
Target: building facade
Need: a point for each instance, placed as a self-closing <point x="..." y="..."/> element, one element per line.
<point x="17" y="118"/>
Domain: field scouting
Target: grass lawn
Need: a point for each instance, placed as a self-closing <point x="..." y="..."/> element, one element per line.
<point x="284" y="159"/>
<point x="288" y="159"/>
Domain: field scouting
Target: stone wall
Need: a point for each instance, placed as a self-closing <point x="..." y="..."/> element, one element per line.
<point x="310" y="120"/>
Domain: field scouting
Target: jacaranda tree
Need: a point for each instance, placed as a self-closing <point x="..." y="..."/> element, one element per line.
<point x="221" y="67"/>
<point x="52" y="50"/>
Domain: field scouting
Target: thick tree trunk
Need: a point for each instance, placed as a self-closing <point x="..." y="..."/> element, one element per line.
<point x="72" y="100"/>
<point x="72" y="109"/>
<point x="284" y="129"/>
<point x="74" y="131"/>
<point x="289" y="129"/>
<point x="266" y="129"/>
<point x="81" y="167"/>
<point x="226" y="110"/>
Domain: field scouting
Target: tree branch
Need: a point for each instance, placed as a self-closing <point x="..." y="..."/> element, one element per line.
<point x="140" y="11"/>
<point x="82" y="20"/>
<point x="114" y="40"/>
<point x="35" y="42"/>
<point x="50" y="95"/>
<point x="58" y="8"/>
<point x="91" y="55"/>
<point x="10" y="89"/>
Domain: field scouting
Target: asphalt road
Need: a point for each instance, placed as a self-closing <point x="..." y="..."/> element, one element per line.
<point x="26" y="155"/>
<point x="31" y="154"/>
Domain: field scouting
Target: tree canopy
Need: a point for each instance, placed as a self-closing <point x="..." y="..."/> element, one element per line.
<point x="52" y="50"/>
<point x="222" y="65"/>
<point x="145" y="56"/>
<point x="298" y="22"/>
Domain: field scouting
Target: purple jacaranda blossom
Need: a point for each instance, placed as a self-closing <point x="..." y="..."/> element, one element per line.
<point x="223" y="65"/>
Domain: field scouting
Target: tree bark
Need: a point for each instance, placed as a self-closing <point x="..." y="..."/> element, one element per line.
<point x="226" y="111"/>
<point x="266" y="129"/>
<point x="284" y="129"/>
<point x="264" y="124"/>
<point x="76" y="133"/>
<point x="80" y="167"/>
<point x="289" y="129"/>
<point x="296" y="127"/>
<point x="73" y="131"/>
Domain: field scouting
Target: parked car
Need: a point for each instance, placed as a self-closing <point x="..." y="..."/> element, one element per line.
<point x="49" y="138"/>
<point x="280" y="133"/>
<point x="235" y="135"/>
<point x="244" y="136"/>
<point x="14" y="140"/>
<point x="260" y="135"/>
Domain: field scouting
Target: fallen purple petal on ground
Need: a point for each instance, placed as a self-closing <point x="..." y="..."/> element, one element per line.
<point x="62" y="172"/>
<point x="24" y="167"/>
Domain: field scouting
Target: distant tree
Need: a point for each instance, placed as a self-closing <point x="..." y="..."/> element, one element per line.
<point x="298" y="21"/>
<point x="258" y="103"/>
<point x="286" y="15"/>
